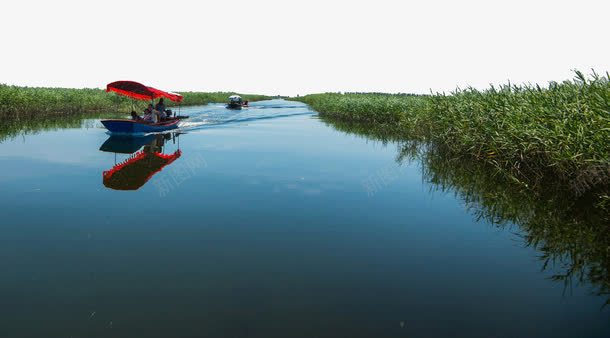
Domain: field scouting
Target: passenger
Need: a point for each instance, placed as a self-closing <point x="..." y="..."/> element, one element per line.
<point x="160" y="106"/>
<point x="135" y="116"/>
<point x="157" y="116"/>
<point x="148" y="115"/>
<point x="152" y="115"/>
<point x="162" y="115"/>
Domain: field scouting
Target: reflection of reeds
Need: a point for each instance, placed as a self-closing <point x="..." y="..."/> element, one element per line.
<point x="41" y="101"/>
<point x="24" y="124"/>
<point x="527" y="131"/>
<point x="570" y="230"/>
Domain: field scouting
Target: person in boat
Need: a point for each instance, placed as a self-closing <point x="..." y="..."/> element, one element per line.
<point x="165" y="113"/>
<point x="160" y="109"/>
<point x="148" y="115"/>
<point x="245" y="104"/>
<point x="160" y="106"/>
<point x="135" y="116"/>
<point x="151" y="115"/>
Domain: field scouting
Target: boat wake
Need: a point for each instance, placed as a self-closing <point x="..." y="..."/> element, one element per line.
<point x="216" y="115"/>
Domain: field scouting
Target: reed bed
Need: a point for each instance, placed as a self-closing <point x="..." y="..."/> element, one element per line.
<point x="569" y="231"/>
<point x="528" y="131"/>
<point x="26" y="110"/>
<point x="199" y="98"/>
<point x="31" y="101"/>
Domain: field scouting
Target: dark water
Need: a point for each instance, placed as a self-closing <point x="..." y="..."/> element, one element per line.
<point x="272" y="223"/>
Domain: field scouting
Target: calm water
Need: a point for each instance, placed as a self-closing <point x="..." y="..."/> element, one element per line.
<point x="262" y="223"/>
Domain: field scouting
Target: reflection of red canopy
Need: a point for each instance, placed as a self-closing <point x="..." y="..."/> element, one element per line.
<point x="137" y="170"/>
<point x="140" y="91"/>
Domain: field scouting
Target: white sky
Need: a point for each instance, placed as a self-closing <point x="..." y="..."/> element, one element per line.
<point x="288" y="47"/>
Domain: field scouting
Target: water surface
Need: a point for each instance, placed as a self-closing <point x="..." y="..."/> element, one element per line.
<point x="265" y="222"/>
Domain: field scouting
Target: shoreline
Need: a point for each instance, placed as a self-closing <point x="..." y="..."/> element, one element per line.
<point x="528" y="132"/>
<point x="40" y="101"/>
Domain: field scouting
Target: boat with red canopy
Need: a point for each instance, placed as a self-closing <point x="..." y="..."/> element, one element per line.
<point x="139" y="91"/>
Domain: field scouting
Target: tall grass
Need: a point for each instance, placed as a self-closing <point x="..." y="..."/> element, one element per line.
<point x="30" y="101"/>
<point x="528" y="131"/>
<point x="41" y="101"/>
<point x="526" y="155"/>
<point x="28" y="109"/>
<point x="571" y="232"/>
<point x="198" y="98"/>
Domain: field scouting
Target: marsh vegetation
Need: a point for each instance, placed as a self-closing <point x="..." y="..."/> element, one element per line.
<point x="27" y="109"/>
<point x="527" y="131"/>
<point x="571" y="231"/>
<point x="18" y="101"/>
<point x="534" y="157"/>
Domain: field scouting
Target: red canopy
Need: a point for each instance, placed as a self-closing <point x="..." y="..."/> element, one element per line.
<point x="140" y="91"/>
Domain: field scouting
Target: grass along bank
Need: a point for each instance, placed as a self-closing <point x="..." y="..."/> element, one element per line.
<point x="570" y="232"/>
<point x="16" y="102"/>
<point x="25" y="110"/>
<point x="527" y="131"/>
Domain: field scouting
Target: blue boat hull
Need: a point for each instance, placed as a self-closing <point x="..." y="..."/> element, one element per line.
<point x="121" y="126"/>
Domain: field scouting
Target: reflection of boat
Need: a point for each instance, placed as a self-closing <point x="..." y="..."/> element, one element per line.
<point x="234" y="102"/>
<point x="140" y="92"/>
<point x="135" y="171"/>
<point x="125" y="144"/>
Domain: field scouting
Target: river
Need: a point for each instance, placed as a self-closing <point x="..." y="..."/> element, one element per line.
<point x="270" y="222"/>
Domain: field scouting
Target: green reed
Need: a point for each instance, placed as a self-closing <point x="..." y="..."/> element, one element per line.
<point x="28" y="109"/>
<point x="562" y="130"/>
<point x="570" y="230"/>
<point x="30" y="101"/>
<point x="199" y="98"/>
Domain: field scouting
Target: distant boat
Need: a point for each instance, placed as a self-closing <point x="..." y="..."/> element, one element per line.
<point x="139" y="91"/>
<point x="235" y="102"/>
